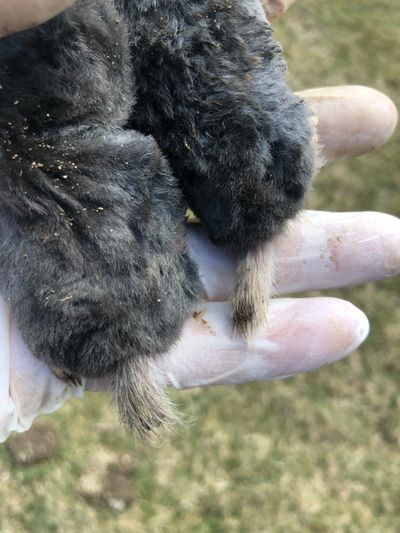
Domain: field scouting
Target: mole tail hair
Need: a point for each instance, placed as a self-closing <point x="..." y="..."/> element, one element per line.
<point x="142" y="403"/>
<point x="252" y="290"/>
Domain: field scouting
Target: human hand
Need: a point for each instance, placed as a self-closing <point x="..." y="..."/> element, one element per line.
<point x="18" y="15"/>
<point x="320" y="250"/>
<point x="275" y="8"/>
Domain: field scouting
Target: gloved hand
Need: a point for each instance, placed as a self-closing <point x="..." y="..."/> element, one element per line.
<point x="320" y="250"/>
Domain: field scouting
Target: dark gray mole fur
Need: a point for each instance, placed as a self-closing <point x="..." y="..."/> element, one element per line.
<point x="108" y="113"/>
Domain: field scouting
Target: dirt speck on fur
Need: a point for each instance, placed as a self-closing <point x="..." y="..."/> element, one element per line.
<point x="201" y="324"/>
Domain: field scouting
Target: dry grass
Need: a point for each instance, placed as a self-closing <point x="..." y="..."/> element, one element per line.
<point x="316" y="453"/>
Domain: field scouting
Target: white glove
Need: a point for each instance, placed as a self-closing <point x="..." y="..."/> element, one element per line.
<point x="320" y="250"/>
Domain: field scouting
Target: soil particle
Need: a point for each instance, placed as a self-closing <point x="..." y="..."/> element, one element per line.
<point x="201" y="325"/>
<point x="38" y="444"/>
<point x="108" y="481"/>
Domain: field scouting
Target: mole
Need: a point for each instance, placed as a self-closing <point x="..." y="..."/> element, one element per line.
<point x="115" y="116"/>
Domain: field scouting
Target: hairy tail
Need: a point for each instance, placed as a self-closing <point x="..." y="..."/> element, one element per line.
<point x="252" y="290"/>
<point x="254" y="281"/>
<point x="143" y="406"/>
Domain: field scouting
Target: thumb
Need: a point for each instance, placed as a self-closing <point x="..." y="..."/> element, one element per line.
<point x="18" y="15"/>
<point x="275" y="8"/>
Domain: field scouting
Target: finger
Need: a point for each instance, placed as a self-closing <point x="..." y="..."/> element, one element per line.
<point x="319" y="250"/>
<point x="7" y="412"/>
<point x="18" y="15"/>
<point x="276" y="8"/>
<point x="352" y="120"/>
<point x="301" y="335"/>
<point x="27" y="386"/>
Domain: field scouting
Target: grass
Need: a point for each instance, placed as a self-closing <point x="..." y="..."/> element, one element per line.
<point x="318" y="453"/>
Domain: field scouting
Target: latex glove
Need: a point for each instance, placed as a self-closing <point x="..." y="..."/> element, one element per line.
<point x="17" y="15"/>
<point x="275" y="8"/>
<point x="320" y="250"/>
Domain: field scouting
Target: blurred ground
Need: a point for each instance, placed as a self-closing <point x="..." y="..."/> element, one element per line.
<point x="318" y="453"/>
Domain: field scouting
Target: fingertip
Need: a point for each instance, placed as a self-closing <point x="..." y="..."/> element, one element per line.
<point x="352" y="119"/>
<point x="321" y="331"/>
<point x="276" y="8"/>
<point x="21" y="15"/>
<point x="370" y="248"/>
<point x="379" y="235"/>
<point x="388" y="230"/>
<point x="382" y="115"/>
<point x="343" y="329"/>
<point x="355" y="328"/>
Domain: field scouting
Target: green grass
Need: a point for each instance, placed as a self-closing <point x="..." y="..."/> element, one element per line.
<point x="318" y="453"/>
